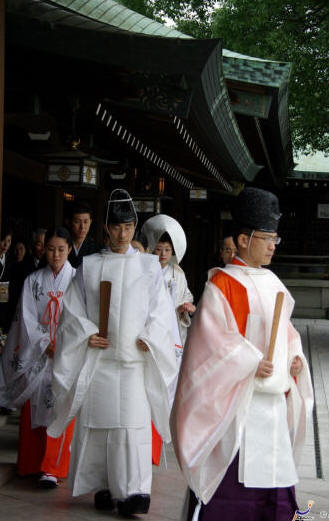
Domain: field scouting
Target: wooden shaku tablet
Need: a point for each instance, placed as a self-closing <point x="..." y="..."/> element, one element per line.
<point x="104" y="306"/>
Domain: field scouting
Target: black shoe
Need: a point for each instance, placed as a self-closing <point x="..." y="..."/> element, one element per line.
<point x="48" y="481"/>
<point x="103" y="500"/>
<point x="136" y="504"/>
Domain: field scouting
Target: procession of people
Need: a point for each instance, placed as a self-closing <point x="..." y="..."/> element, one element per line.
<point x="108" y="359"/>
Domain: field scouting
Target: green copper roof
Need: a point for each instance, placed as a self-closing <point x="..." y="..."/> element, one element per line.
<point x="100" y="14"/>
<point x="236" y="66"/>
<point x="261" y="72"/>
<point x="112" y="13"/>
<point x="99" y="19"/>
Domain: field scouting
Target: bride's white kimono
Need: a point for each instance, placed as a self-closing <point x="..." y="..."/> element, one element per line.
<point x="220" y="407"/>
<point x="114" y="392"/>
<point x="27" y="369"/>
<point x="180" y="293"/>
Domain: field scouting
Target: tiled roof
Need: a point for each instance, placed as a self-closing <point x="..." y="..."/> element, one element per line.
<point x="236" y="66"/>
<point x="261" y="72"/>
<point x="108" y="12"/>
<point x="99" y="14"/>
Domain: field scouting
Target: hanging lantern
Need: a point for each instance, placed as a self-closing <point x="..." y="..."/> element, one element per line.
<point x="73" y="168"/>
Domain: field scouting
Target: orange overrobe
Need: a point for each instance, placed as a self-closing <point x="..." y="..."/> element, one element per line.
<point x="39" y="453"/>
<point x="236" y="295"/>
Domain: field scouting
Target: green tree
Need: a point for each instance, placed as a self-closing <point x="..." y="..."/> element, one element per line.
<point x="143" y="7"/>
<point x="296" y="31"/>
<point x="193" y="17"/>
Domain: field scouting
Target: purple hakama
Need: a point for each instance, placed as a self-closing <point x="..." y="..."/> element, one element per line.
<point x="233" y="501"/>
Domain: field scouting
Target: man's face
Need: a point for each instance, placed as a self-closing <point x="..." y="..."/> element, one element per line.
<point x="121" y="236"/>
<point x="259" y="249"/>
<point x="80" y="225"/>
<point x="228" y="251"/>
<point x="39" y="246"/>
<point x="20" y="251"/>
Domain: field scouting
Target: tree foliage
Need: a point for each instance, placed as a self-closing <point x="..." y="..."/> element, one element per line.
<point x="191" y="17"/>
<point x="296" y="31"/>
<point x="143" y="7"/>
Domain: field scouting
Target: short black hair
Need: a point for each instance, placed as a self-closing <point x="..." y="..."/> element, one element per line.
<point x="238" y="230"/>
<point x="139" y="236"/>
<point x="58" y="231"/>
<point x="80" y="207"/>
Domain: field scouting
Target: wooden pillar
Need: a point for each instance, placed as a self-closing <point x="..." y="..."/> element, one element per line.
<point x="58" y="207"/>
<point x="2" y="91"/>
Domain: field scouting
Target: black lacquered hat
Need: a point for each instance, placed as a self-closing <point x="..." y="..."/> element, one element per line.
<point x="120" y="208"/>
<point x="256" y="209"/>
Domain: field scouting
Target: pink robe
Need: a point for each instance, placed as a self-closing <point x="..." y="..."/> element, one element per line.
<point x="216" y="385"/>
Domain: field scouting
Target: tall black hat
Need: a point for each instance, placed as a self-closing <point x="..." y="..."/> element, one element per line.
<point x="256" y="209"/>
<point x="120" y="208"/>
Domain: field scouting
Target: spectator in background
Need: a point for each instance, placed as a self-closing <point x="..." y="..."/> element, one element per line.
<point x="20" y="251"/>
<point x="227" y="250"/>
<point x="6" y="262"/>
<point x="19" y="270"/>
<point x="80" y="222"/>
<point x="137" y="245"/>
<point x="5" y="273"/>
<point x="38" y="249"/>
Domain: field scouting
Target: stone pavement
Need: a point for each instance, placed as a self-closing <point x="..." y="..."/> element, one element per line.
<point x="21" y="499"/>
<point x="314" y="468"/>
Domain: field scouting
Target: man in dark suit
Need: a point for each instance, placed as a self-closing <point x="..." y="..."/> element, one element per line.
<point x="80" y="222"/>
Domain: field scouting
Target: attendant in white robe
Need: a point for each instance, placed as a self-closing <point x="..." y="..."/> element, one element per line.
<point x="115" y="385"/>
<point x="238" y="422"/>
<point x="28" y="362"/>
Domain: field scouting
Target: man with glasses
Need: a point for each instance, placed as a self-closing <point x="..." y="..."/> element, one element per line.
<point x="238" y="420"/>
<point x="227" y="250"/>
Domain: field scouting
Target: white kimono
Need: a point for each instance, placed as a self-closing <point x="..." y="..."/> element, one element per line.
<point x="226" y="408"/>
<point x="180" y="293"/>
<point x="27" y="368"/>
<point x="114" y="392"/>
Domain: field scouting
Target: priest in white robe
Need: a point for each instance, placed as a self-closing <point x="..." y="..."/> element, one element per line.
<point x="116" y="385"/>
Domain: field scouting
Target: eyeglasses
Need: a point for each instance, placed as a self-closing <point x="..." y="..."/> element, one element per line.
<point x="268" y="240"/>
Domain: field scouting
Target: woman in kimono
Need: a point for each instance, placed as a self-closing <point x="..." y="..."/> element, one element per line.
<point x="166" y="238"/>
<point x="28" y="362"/>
